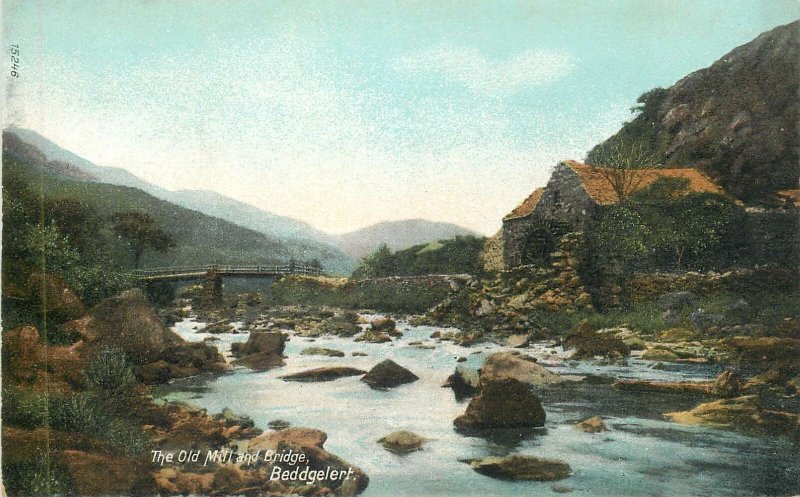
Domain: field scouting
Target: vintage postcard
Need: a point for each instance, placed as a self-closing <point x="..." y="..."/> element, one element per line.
<point x="401" y="248"/>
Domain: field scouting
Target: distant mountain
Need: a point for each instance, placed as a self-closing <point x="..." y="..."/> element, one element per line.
<point x="737" y="120"/>
<point x="53" y="153"/>
<point x="299" y="240"/>
<point x="397" y="235"/>
<point x="303" y="241"/>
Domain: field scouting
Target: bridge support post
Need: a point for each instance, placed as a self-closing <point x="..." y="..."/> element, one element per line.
<point x="212" y="289"/>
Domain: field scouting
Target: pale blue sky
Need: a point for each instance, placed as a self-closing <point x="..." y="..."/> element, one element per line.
<point x="345" y="113"/>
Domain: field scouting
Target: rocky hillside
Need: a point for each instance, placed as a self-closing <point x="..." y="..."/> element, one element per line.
<point x="736" y="120"/>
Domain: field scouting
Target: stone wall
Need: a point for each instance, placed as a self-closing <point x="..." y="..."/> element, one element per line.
<point x="648" y="286"/>
<point x="492" y="253"/>
<point x="772" y="236"/>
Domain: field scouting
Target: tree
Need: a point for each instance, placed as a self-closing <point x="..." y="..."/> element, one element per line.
<point x="141" y="232"/>
<point x="77" y="220"/>
<point x="379" y="263"/>
<point x="621" y="164"/>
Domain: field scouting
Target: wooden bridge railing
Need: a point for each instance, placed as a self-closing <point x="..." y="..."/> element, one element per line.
<point x="229" y="270"/>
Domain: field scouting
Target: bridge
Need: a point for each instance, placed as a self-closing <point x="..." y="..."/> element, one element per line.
<point x="212" y="275"/>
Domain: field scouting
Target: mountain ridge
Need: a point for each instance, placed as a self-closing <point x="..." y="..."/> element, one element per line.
<point x="299" y="237"/>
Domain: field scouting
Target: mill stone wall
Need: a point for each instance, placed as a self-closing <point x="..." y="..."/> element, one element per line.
<point x="564" y="200"/>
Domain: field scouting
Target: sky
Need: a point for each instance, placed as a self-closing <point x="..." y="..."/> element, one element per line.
<point x="346" y="113"/>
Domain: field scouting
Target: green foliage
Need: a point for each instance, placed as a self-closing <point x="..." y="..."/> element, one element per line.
<point x="388" y="296"/>
<point x="63" y="236"/>
<point x="644" y="130"/>
<point x="142" y="232"/>
<point x="639" y="316"/>
<point x="110" y="370"/>
<point x="38" y="476"/>
<point x="666" y="227"/>
<point x="94" y="413"/>
<point x="23" y="408"/>
<point x="452" y="256"/>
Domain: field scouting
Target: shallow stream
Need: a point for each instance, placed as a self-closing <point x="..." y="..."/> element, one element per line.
<point x="641" y="454"/>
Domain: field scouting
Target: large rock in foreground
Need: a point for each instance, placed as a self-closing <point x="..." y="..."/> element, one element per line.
<point x="310" y="442"/>
<point x="263" y="350"/>
<point x="323" y="374"/>
<point x="506" y="403"/>
<point x="517" y="467"/>
<point x="388" y="374"/>
<point x="129" y="322"/>
<point x="504" y="365"/>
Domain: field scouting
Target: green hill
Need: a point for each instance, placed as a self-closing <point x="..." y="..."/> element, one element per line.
<point x="291" y="238"/>
<point x="199" y="239"/>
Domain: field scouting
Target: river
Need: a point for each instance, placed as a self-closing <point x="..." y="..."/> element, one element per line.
<point x="641" y="454"/>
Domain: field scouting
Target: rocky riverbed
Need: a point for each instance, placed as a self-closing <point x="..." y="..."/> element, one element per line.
<point x="634" y="448"/>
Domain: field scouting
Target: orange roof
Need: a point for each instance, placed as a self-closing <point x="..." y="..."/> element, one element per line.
<point x="527" y="205"/>
<point x="601" y="191"/>
<point x="790" y="196"/>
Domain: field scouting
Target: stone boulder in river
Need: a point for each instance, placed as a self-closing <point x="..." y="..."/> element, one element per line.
<point x="592" y="425"/>
<point x="464" y="382"/>
<point x="504" y="403"/>
<point x="402" y="442"/>
<point x="519" y="467"/>
<point x="588" y="343"/>
<point x="263" y="350"/>
<point x="322" y="351"/>
<point x="323" y="374"/>
<point x="745" y="414"/>
<point x="383" y="324"/>
<point x="388" y="374"/>
<point x="503" y="365"/>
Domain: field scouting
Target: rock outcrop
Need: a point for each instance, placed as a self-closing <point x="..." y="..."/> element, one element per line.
<point x="310" y="442"/>
<point x="592" y="425"/>
<point x="735" y="120"/>
<point x="519" y="467"/>
<point x="61" y="302"/>
<point x="262" y="350"/>
<point x="323" y="374"/>
<point x="322" y="351"/>
<point x="505" y="403"/>
<point x="513" y="365"/>
<point x="388" y="374"/>
<point x="402" y="442"/>
<point x="589" y="343"/>
<point x="745" y="414"/>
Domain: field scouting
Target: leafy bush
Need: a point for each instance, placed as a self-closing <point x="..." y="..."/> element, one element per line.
<point x="110" y="370"/>
<point x="89" y="413"/>
<point x="452" y="256"/>
<point x="35" y="477"/>
<point x="24" y="408"/>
